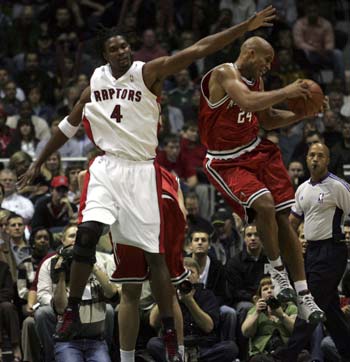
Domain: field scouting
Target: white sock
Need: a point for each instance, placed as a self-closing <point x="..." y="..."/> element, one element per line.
<point x="181" y="349"/>
<point x="276" y="263"/>
<point x="300" y="286"/>
<point x="127" y="356"/>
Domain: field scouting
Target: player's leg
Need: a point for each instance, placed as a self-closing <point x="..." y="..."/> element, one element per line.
<point x="131" y="271"/>
<point x="174" y="237"/>
<point x="179" y="326"/>
<point x="163" y="292"/>
<point x="265" y="219"/>
<point x="155" y="322"/>
<point x="290" y="246"/>
<point x="238" y="182"/>
<point x="267" y="227"/>
<point x="88" y="235"/>
<point x="129" y="320"/>
<point x="292" y="253"/>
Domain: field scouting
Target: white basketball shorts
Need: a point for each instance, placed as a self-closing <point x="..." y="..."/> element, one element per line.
<point x="125" y="195"/>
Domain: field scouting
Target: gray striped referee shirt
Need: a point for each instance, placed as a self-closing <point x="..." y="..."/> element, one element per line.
<point x="322" y="206"/>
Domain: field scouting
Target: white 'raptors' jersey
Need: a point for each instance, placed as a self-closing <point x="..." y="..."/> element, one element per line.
<point x="122" y="116"/>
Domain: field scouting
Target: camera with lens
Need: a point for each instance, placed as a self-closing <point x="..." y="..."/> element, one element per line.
<point x="66" y="253"/>
<point x="186" y="286"/>
<point x="273" y="303"/>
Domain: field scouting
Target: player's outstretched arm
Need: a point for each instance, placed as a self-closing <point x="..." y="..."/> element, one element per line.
<point x="162" y="67"/>
<point x="57" y="140"/>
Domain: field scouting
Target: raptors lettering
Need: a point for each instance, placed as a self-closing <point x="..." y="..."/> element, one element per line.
<point x="117" y="93"/>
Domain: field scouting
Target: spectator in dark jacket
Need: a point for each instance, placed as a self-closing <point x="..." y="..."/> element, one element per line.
<point x="54" y="211"/>
<point x="200" y="311"/>
<point x="8" y="314"/>
<point x="245" y="271"/>
<point x="243" y="274"/>
<point x="212" y="275"/>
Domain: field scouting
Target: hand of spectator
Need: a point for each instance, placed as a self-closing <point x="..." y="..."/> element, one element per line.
<point x="261" y="305"/>
<point x="297" y="89"/>
<point x="262" y="18"/>
<point x="185" y="298"/>
<point x="65" y="201"/>
<point x="28" y="177"/>
<point x="28" y="310"/>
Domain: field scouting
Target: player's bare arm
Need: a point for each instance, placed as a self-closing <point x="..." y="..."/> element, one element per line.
<point x="182" y="203"/>
<point x="294" y="221"/>
<point x="57" y="140"/>
<point x="160" y="68"/>
<point x="272" y="118"/>
<point x="252" y="101"/>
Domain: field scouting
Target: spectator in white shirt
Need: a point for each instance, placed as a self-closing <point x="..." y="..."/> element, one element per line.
<point x="13" y="201"/>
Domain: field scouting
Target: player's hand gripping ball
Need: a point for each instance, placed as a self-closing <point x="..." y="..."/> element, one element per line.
<point x="309" y="106"/>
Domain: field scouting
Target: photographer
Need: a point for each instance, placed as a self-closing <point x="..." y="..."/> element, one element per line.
<point x="89" y="343"/>
<point x="52" y="292"/>
<point x="200" y="311"/>
<point x="268" y="324"/>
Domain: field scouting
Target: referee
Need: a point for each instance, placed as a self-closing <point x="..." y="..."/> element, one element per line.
<point x="321" y="202"/>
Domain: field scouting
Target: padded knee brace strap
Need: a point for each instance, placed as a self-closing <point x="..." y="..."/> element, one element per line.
<point x="88" y="235"/>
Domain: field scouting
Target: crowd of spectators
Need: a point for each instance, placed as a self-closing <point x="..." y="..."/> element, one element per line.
<point x="47" y="56"/>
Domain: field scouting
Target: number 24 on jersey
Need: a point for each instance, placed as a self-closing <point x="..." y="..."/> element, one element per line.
<point x="244" y="116"/>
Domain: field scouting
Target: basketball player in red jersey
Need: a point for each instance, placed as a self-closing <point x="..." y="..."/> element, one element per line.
<point x="248" y="171"/>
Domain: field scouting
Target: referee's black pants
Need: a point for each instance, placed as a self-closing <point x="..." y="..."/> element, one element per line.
<point x="325" y="263"/>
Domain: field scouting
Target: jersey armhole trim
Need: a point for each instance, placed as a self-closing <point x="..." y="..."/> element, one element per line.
<point x="210" y="104"/>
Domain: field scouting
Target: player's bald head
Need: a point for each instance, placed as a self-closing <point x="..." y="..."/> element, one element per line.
<point x="257" y="44"/>
<point x="317" y="147"/>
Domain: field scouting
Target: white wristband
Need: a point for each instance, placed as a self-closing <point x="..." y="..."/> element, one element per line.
<point x="67" y="128"/>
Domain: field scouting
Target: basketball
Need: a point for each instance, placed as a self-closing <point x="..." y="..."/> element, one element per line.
<point x="308" y="106"/>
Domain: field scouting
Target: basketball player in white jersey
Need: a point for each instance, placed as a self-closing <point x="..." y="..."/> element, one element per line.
<point x="120" y="114"/>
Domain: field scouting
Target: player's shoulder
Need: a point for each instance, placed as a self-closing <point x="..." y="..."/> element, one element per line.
<point x="224" y="71"/>
<point x="224" y="68"/>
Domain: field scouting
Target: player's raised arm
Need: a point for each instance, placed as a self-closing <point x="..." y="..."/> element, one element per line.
<point x="66" y="129"/>
<point x="162" y="67"/>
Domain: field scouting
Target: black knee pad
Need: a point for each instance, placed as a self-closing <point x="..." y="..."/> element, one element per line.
<point x="88" y="235"/>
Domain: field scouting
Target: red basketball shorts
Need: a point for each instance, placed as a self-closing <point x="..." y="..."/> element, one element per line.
<point x="244" y="179"/>
<point x="131" y="264"/>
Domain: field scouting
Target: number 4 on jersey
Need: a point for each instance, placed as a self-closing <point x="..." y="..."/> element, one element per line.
<point x="117" y="114"/>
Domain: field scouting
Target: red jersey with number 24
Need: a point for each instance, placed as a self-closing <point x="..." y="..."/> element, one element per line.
<point x="224" y="125"/>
